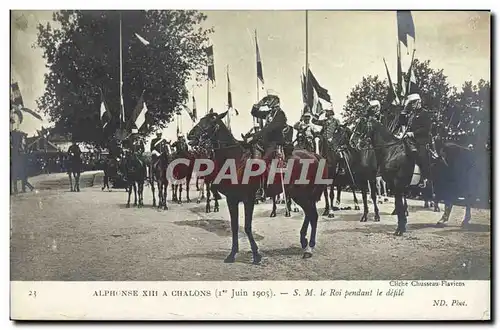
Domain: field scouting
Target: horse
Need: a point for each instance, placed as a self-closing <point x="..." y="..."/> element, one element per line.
<point x="211" y="127"/>
<point x="361" y="168"/>
<point x="74" y="168"/>
<point x="158" y="175"/>
<point x="329" y="152"/>
<point x="395" y="161"/>
<point x="202" y="150"/>
<point x="182" y="172"/>
<point x="460" y="172"/>
<point x="135" y="172"/>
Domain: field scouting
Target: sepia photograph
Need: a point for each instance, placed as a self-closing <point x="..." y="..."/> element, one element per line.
<point x="251" y="145"/>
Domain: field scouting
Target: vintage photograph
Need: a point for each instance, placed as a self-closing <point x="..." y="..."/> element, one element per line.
<point x="265" y="145"/>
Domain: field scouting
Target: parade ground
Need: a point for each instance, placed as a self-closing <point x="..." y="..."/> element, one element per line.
<point x="58" y="235"/>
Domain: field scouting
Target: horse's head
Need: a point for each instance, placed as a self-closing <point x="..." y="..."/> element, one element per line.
<point x="207" y="128"/>
<point x="342" y="135"/>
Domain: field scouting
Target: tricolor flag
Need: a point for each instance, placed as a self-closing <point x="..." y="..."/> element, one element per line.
<point x="260" y="75"/>
<point x="405" y="26"/>
<point x="322" y="92"/>
<point x="140" y="112"/>
<point x="195" y="116"/>
<point x="211" y="67"/>
<point x="229" y="95"/>
<point x="304" y="89"/>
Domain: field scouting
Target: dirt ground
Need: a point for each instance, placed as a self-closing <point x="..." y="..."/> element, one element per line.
<point x="90" y="236"/>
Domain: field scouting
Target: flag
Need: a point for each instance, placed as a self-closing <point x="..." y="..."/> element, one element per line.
<point x="412" y="83"/>
<point x="229" y="96"/>
<point x="104" y="112"/>
<point x="211" y="67"/>
<point x="141" y="39"/>
<point x="195" y="116"/>
<point x="16" y="98"/>
<point x="392" y="97"/>
<point x="260" y="75"/>
<point x="405" y="26"/>
<point x="304" y="89"/>
<point x="322" y="92"/>
<point x="140" y="112"/>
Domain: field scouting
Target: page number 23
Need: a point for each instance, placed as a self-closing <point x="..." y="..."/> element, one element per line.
<point x="32" y="294"/>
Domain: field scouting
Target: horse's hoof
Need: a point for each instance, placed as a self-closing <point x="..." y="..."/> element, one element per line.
<point x="207" y="210"/>
<point x="295" y="210"/>
<point x="398" y="232"/>
<point x="154" y="204"/>
<point x="376" y="218"/>
<point x="165" y="208"/>
<point x="393" y="212"/>
<point x="229" y="259"/>
<point x="364" y="218"/>
<point x="127" y="206"/>
<point x="326" y="212"/>
<point x="357" y="208"/>
<point x="216" y="209"/>
<point x="272" y="215"/>
<point x="257" y="258"/>
<point x="287" y="215"/>
<point x="198" y="201"/>
<point x="331" y="215"/>
<point x="464" y="224"/>
<point x="307" y="255"/>
<point x="256" y="202"/>
<point x="188" y="200"/>
<point x="335" y="208"/>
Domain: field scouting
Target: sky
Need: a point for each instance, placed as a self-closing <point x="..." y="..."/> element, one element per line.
<point x="343" y="47"/>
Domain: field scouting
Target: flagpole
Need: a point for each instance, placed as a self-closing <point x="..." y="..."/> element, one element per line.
<point x="228" y="105"/>
<point x="122" y="110"/>
<point x="208" y="96"/>
<point x="255" y="121"/>
<point x="307" y="58"/>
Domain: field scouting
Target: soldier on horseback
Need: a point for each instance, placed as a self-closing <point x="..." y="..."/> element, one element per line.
<point x="305" y="132"/>
<point x="181" y="146"/>
<point x="418" y="128"/>
<point x="272" y="133"/>
<point x="329" y="126"/>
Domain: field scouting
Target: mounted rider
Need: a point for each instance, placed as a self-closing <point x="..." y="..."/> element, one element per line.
<point x="181" y="146"/>
<point x="329" y="126"/>
<point x="272" y="132"/>
<point x="306" y="132"/>
<point x="418" y="133"/>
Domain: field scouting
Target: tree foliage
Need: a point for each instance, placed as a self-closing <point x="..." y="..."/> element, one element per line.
<point x="465" y="113"/>
<point x="83" y="58"/>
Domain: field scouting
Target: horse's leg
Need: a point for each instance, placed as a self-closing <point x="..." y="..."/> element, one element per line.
<point x="188" y="182"/>
<point x="273" y="212"/>
<point x="467" y="215"/>
<point x="152" y="183"/>
<point x="197" y="186"/>
<point x="373" y="185"/>
<point x="179" y="198"/>
<point x="303" y="231"/>
<point x="77" y="181"/>
<point x="406" y="206"/>
<point x="446" y="214"/>
<point x="295" y="206"/>
<point x="400" y="210"/>
<point x="332" y="196"/>
<point x="249" y="205"/>
<point x="364" y="192"/>
<point x="129" y="193"/>
<point x="165" y="193"/>
<point x="436" y="204"/>
<point x="70" y="182"/>
<point x="207" y="207"/>
<point x="216" y="195"/>
<point x="174" y="192"/>
<point x="140" y="188"/>
<point x="233" y="213"/>
<point x="313" y="220"/>
<point x="327" y="202"/>
<point x="288" y="206"/>
<point x="134" y="185"/>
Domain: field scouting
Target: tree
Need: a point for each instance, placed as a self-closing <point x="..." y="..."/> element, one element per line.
<point x="83" y="59"/>
<point x="370" y="88"/>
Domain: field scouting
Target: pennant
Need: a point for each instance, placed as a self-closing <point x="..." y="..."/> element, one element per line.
<point x="260" y="74"/>
<point x="141" y="39"/>
<point x="140" y="112"/>
<point x="406" y="27"/>
<point x="211" y="65"/>
<point x="411" y="81"/>
<point x="229" y="95"/>
<point x="105" y="114"/>
<point x="392" y="97"/>
<point x="322" y="92"/>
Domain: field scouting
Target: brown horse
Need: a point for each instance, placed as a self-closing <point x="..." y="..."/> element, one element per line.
<point x="158" y="174"/>
<point x="227" y="149"/>
<point x="181" y="172"/>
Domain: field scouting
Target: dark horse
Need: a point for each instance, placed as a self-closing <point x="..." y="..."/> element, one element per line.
<point x="135" y="174"/>
<point x="74" y="167"/>
<point x="460" y="172"/>
<point x="227" y="148"/>
<point x="361" y="169"/>
<point x="158" y="175"/>
<point x="330" y="153"/>
<point x="181" y="172"/>
<point x="395" y="162"/>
